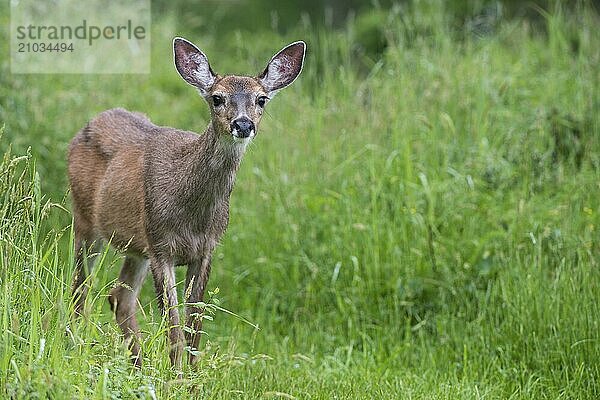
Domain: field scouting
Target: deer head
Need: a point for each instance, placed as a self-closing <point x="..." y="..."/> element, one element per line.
<point x="237" y="102"/>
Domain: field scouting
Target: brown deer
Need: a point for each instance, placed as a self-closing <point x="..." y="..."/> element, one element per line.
<point x="162" y="194"/>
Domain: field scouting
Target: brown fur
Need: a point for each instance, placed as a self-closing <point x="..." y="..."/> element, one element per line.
<point x="162" y="194"/>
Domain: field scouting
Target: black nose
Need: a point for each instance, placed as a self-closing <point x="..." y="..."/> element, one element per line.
<point x="243" y="126"/>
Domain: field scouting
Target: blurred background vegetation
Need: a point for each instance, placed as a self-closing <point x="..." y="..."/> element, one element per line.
<point x="222" y="17"/>
<point x="351" y="36"/>
<point x="373" y="22"/>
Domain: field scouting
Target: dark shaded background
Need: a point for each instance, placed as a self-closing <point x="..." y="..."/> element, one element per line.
<point x="224" y="16"/>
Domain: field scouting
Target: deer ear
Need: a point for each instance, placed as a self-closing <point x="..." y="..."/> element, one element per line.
<point x="192" y="65"/>
<point x="284" y="67"/>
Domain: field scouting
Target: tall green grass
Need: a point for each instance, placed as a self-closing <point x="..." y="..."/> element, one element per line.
<point x="420" y="225"/>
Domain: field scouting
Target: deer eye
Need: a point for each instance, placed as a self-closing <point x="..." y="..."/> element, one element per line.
<point x="218" y="100"/>
<point x="261" y="101"/>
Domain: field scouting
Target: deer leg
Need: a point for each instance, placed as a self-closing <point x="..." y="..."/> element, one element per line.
<point x="84" y="260"/>
<point x="195" y="283"/>
<point x="123" y="301"/>
<point x="163" y="273"/>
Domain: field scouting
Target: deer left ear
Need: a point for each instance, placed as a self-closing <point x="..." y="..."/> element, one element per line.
<point x="192" y="65"/>
<point x="283" y="68"/>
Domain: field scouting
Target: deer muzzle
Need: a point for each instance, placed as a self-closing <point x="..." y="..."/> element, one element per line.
<point x="242" y="128"/>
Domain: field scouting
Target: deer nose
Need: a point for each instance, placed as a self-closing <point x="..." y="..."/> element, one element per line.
<point x="243" y="126"/>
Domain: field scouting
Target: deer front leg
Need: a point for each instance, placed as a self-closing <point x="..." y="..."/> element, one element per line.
<point x="195" y="283"/>
<point x="163" y="273"/>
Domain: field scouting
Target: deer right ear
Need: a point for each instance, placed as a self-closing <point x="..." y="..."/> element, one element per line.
<point x="192" y="65"/>
<point x="284" y="67"/>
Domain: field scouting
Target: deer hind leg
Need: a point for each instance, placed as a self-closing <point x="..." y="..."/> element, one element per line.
<point x="123" y="302"/>
<point x="85" y="252"/>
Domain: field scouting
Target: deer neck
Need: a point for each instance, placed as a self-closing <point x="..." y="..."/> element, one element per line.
<point x="213" y="159"/>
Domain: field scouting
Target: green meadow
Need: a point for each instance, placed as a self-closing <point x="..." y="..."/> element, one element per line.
<point x="418" y="217"/>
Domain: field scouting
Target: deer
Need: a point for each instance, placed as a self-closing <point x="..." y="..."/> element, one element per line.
<point x="160" y="195"/>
